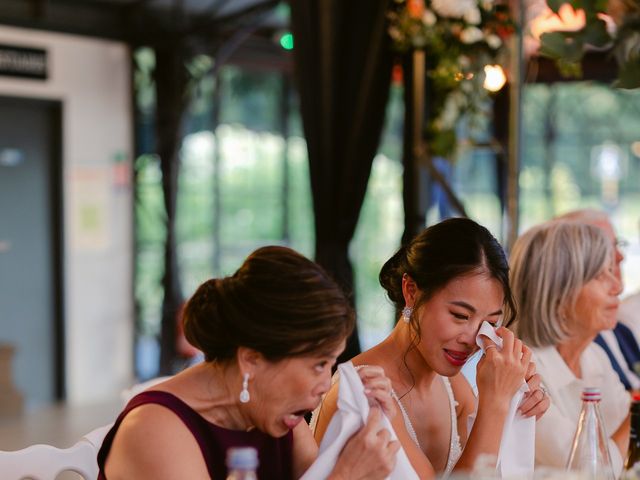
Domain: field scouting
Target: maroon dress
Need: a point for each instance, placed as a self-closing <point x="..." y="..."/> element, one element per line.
<point x="275" y="454"/>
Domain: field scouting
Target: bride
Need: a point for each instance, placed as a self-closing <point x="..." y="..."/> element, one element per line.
<point x="449" y="280"/>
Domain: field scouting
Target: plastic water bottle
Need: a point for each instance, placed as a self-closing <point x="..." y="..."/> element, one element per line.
<point x="590" y="451"/>
<point x="242" y="463"/>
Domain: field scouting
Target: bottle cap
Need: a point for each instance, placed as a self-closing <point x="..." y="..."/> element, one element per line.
<point x="591" y="394"/>
<point x="245" y="458"/>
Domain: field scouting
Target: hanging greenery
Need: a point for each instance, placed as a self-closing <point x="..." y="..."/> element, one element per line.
<point x="612" y="25"/>
<point x="460" y="38"/>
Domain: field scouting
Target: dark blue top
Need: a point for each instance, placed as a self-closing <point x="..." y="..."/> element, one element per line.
<point x="630" y="351"/>
<point x="275" y="454"/>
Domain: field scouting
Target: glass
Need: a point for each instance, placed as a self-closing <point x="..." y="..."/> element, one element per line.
<point x="590" y="451"/>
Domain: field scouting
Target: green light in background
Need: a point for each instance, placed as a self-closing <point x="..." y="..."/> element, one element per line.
<point x="286" y="41"/>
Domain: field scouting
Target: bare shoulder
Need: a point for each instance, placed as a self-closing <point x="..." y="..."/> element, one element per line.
<point x="463" y="394"/>
<point x="381" y="356"/>
<point x="374" y="356"/>
<point x="152" y="442"/>
<point x="326" y="411"/>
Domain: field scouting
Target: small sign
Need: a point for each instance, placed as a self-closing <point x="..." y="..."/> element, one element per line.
<point x="23" y="62"/>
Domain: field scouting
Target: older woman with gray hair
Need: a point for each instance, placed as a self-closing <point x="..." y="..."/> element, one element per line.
<point x="563" y="281"/>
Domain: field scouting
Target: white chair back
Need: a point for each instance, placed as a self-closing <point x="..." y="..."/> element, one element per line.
<point x="46" y="462"/>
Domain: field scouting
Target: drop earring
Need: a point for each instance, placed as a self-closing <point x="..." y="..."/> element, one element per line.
<point x="244" y="393"/>
<point x="406" y="314"/>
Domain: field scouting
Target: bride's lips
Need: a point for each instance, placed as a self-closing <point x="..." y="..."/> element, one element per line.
<point x="456" y="358"/>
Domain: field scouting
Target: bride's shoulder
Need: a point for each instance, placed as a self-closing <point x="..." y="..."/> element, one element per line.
<point x="378" y="356"/>
<point x="463" y="393"/>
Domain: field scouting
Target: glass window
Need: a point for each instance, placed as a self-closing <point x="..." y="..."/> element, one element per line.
<point x="581" y="150"/>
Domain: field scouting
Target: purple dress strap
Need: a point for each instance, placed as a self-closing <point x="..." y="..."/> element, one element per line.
<point x="275" y="454"/>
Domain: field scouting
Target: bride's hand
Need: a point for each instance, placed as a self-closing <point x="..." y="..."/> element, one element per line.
<point x="536" y="401"/>
<point x="501" y="373"/>
<point x="377" y="388"/>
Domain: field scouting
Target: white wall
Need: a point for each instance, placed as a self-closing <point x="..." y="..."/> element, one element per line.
<point x="92" y="79"/>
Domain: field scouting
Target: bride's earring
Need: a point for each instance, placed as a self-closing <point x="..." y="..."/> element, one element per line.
<point x="244" y="393"/>
<point x="406" y="314"/>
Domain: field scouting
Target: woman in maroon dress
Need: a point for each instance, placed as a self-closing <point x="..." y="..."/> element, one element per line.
<point x="270" y="335"/>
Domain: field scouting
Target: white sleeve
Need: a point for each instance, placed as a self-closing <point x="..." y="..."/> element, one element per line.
<point x="554" y="436"/>
<point x="616" y="458"/>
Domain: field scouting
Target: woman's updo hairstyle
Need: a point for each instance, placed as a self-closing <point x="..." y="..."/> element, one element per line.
<point x="278" y="303"/>
<point x="442" y="252"/>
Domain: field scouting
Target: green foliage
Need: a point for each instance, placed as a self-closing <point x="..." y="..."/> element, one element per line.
<point x="595" y="33"/>
<point x="567" y="48"/>
<point x="459" y="40"/>
<point x="629" y="75"/>
<point x="555" y="5"/>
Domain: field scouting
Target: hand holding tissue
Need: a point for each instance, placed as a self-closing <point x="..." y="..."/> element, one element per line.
<point x="349" y="419"/>
<point x="517" y="447"/>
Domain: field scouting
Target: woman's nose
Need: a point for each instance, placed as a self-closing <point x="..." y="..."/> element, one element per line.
<point x="324" y="386"/>
<point x="468" y="336"/>
<point x="616" y="285"/>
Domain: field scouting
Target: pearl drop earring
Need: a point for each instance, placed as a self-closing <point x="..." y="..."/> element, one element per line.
<point x="244" y="393"/>
<point x="406" y="314"/>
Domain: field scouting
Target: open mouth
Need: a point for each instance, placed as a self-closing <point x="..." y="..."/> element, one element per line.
<point x="291" y="420"/>
<point x="456" y="358"/>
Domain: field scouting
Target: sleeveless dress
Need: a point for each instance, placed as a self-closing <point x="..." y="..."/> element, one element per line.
<point x="455" y="447"/>
<point x="275" y="454"/>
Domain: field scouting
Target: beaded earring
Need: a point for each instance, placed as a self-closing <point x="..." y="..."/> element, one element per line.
<point x="244" y="393"/>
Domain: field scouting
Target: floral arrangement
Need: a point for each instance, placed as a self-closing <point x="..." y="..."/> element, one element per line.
<point x="460" y="39"/>
<point x="612" y="25"/>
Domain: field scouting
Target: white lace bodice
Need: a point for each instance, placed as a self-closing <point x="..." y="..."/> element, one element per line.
<point x="455" y="447"/>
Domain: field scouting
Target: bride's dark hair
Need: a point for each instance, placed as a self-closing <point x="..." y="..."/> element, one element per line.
<point x="442" y="252"/>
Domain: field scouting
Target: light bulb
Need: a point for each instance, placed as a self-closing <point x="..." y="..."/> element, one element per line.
<point x="494" y="78"/>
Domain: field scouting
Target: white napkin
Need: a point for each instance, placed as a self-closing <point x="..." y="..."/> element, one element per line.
<point x="352" y="413"/>
<point x="517" y="446"/>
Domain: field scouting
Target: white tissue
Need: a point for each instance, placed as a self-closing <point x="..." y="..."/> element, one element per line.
<point x="517" y="446"/>
<point x="352" y="413"/>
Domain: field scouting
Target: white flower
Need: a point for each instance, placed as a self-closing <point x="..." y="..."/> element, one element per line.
<point x="471" y="35"/>
<point x="453" y="8"/>
<point x="472" y="16"/>
<point x="429" y="18"/>
<point x="493" y="41"/>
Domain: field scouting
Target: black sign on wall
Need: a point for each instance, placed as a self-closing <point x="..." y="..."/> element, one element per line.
<point x="23" y="62"/>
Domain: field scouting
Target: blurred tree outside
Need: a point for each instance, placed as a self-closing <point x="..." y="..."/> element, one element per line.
<point x="238" y="189"/>
<point x="581" y="150"/>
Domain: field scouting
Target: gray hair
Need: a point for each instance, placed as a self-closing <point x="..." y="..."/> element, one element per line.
<point x="549" y="265"/>
<point x="585" y="215"/>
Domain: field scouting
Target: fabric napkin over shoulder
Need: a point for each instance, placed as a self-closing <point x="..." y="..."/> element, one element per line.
<point x="350" y="417"/>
